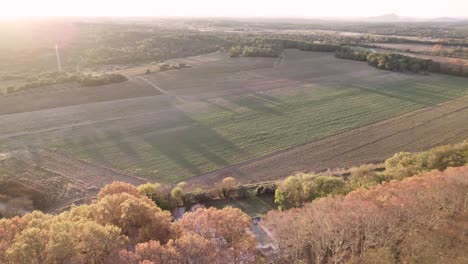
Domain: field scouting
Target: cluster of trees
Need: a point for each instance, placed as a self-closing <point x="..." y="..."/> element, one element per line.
<point x="389" y="61"/>
<point x="124" y="226"/>
<point x="273" y="47"/>
<point x="352" y="54"/>
<point x="459" y="52"/>
<point x="397" y="222"/>
<point x="250" y="51"/>
<point x="296" y="190"/>
<point x="302" y="188"/>
<point x="402" y="63"/>
<point x="405" y="164"/>
<point x="51" y="78"/>
<point x="168" y="197"/>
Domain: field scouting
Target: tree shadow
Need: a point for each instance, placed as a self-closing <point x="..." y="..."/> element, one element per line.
<point x="182" y="146"/>
<point x="268" y="98"/>
<point x="392" y="95"/>
<point x="119" y="140"/>
<point x="214" y="104"/>
<point x="256" y="104"/>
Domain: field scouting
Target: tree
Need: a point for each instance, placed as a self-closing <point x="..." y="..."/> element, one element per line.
<point x="326" y="185"/>
<point x="226" y="227"/>
<point x="290" y="193"/>
<point x="227" y="186"/>
<point x="375" y="224"/>
<point x="119" y="187"/>
<point x="364" y="176"/>
<point x="156" y="192"/>
<point x="139" y="218"/>
<point x="9" y="229"/>
<point x="177" y="195"/>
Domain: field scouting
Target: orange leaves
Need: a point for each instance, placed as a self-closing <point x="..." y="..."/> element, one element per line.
<point x="336" y="229"/>
<point x="119" y="187"/>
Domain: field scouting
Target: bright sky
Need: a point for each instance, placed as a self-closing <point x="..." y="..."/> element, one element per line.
<point x="246" y="8"/>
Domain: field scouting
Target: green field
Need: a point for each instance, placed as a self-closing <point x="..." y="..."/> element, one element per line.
<point x="249" y="109"/>
<point x="239" y="128"/>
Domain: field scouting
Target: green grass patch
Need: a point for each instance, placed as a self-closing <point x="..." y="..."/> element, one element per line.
<point x="253" y="206"/>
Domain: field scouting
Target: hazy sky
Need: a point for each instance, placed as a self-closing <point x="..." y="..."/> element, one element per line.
<point x="284" y="8"/>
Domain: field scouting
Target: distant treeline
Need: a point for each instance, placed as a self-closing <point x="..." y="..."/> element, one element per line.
<point x="400" y="63"/>
<point x="267" y="47"/>
<point x="52" y="78"/>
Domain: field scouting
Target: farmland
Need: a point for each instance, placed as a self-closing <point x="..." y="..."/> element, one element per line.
<point x="245" y="115"/>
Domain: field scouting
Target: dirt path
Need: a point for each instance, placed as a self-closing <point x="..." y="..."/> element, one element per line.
<point x="414" y="131"/>
<point x="161" y="90"/>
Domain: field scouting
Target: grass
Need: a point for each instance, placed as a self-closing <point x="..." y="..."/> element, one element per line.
<point x="253" y="205"/>
<point x="237" y="128"/>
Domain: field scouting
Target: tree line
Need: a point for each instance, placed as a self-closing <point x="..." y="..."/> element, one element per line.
<point x="51" y="78"/>
<point x="389" y="61"/>
<point x="299" y="189"/>
<point x="397" y="222"/>
<point x="124" y="226"/>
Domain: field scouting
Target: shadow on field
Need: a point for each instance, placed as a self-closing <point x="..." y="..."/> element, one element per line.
<point x="215" y="105"/>
<point x="123" y="145"/>
<point x="256" y="103"/>
<point x="268" y="98"/>
<point x="183" y="146"/>
<point x="400" y="96"/>
<point x="86" y="144"/>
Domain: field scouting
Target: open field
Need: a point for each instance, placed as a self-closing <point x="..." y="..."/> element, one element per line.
<point x="235" y="110"/>
<point x="61" y="95"/>
<point x="415" y="131"/>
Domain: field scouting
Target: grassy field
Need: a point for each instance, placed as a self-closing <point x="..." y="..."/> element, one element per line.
<point x="235" y="110"/>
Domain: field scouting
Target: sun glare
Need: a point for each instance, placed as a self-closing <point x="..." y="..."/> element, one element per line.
<point x="301" y="8"/>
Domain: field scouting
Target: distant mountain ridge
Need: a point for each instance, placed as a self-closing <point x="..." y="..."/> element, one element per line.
<point x="396" y="18"/>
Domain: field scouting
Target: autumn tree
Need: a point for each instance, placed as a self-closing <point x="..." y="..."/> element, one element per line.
<point x="227" y="185"/>
<point x="119" y="187"/>
<point x="156" y="192"/>
<point x="177" y="196"/>
<point x="371" y="224"/>
<point x="226" y="227"/>
<point x="139" y="218"/>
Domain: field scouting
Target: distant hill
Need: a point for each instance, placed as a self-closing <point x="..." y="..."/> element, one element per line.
<point x="396" y="18"/>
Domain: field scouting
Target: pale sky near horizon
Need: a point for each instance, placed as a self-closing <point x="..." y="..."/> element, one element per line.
<point x="245" y="8"/>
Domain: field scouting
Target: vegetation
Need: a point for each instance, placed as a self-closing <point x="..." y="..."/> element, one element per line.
<point x="405" y="164"/>
<point x="389" y="61"/>
<point x="302" y="188"/>
<point x="401" y="63"/>
<point x="388" y="222"/>
<point x="52" y="78"/>
<point x="352" y="54"/>
<point x="122" y="226"/>
<point x="391" y="223"/>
